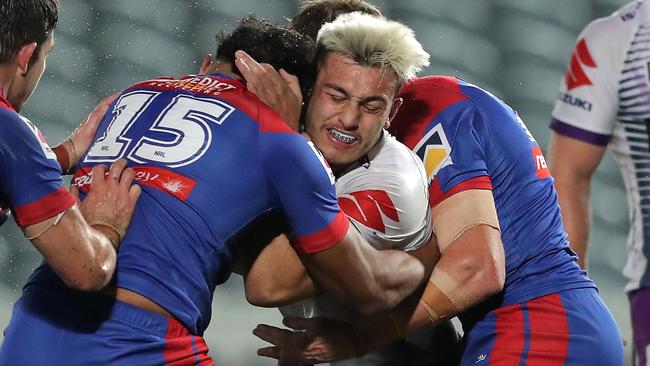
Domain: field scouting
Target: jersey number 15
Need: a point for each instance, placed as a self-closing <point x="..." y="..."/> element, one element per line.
<point x="185" y="119"/>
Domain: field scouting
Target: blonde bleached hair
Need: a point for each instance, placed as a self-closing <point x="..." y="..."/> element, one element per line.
<point x="373" y="41"/>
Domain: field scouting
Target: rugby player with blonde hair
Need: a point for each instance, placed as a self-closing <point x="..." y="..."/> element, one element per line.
<point x="505" y="265"/>
<point x="381" y="184"/>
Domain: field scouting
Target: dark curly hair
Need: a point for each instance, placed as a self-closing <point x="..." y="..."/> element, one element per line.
<point x="278" y="46"/>
<point x="312" y="14"/>
<point x="23" y="22"/>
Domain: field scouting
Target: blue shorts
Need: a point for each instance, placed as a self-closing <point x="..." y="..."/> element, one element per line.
<point x="64" y="327"/>
<point x="572" y="327"/>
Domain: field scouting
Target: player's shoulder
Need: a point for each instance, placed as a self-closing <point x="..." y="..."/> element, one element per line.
<point x="390" y="166"/>
<point x="13" y="124"/>
<point x="395" y="159"/>
<point x="617" y="28"/>
<point x="437" y="93"/>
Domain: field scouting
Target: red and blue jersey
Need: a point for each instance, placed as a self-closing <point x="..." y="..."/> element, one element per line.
<point x="30" y="176"/>
<point x="469" y="139"/>
<point x="210" y="158"/>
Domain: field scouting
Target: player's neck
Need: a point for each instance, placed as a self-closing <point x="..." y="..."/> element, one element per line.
<point x="7" y="75"/>
<point x="222" y="67"/>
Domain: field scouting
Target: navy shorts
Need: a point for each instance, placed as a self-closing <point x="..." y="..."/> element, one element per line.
<point x="572" y="327"/>
<point x="64" y="327"/>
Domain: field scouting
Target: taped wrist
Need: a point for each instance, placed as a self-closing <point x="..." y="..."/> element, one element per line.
<point x="66" y="155"/>
<point x="442" y="297"/>
<point x="113" y="234"/>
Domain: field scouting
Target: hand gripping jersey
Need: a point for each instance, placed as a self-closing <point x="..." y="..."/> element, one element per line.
<point x="210" y="158"/>
<point x="30" y="176"/>
<point x="469" y="139"/>
<point x="604" y="100"/>
<point x="385" y="197"/>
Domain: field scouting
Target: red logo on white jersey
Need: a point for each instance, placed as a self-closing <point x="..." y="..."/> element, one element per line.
<point x="367" y="208"/>
<point x="540" y="163"/>
<point x="575" y="76"/>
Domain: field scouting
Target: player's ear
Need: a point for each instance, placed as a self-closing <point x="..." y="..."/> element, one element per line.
<point x="207" y="61"/>
<point x="393" y="111"/>
<point x="23" y="56"/>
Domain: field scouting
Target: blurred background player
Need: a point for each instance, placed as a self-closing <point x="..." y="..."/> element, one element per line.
<point x="603" y="101"/>
<point x="380" y="183"/>
<point x="447" y="122"/>
<point x="80" y="250"/>
<point x="181" y="136"/>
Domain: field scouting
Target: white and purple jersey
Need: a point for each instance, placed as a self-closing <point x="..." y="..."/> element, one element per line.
<point x="605" y="100"/>
<point x="385" y="197"/>
<point x="30" y="177"/>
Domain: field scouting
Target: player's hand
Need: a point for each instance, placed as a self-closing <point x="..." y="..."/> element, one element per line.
<point x="80" y="139"/>
<point x="111" y="199"/>
<point x="279" y="90"/>
<point x="312" y="341"/>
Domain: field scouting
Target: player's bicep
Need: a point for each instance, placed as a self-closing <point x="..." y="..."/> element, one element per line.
<point x="570" y="157"/>
<point x="277" y="277"/>
<point x="29" y="162"/>
<point x="461" y="212"/>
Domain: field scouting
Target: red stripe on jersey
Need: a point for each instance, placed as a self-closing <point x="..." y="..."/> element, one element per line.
<point x="510" y="332"/>
<point x="165" y="180"/>
<point x="230" y="91"/>
<point x="549" y="331"/>
<point x="325" y="238"/>
<point x="437" y="195"/>
<point x="367" y="208"/>
<point x="4" y="103"/>
<point x="44" y="208"/>
<point x="420" y="106"/>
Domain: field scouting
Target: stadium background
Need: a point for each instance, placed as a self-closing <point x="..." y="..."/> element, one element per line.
<point x="517" y="49"/>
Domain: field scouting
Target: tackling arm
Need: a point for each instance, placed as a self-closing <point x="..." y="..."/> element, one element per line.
<point x="278" y="277"/>
<point x="362" y="276"/>
<point x="81" y="248"/>
<point x="572" y="163"/>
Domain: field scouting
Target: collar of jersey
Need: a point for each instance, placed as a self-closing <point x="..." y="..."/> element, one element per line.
<point x="222" y="75"/>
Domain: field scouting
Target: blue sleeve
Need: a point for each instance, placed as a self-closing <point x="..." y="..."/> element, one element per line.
<point x="305" y="190"/>
<point x="31" y="176"/>
<point x="454" y="153"/>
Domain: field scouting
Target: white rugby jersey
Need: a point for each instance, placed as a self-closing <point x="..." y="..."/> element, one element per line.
<point x="605" y="99"/>
<point x="385" y="197"/>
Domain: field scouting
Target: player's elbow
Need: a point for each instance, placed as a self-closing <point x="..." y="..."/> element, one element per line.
<point x="374" y="303"/>
<point x="263" y="296"/>
<point x="89" y="279"/>
<point x="486" y="274"/>
<point x="490" y="280"/>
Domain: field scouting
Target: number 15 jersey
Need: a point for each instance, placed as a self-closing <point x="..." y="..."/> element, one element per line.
<point x="210" y="157"/>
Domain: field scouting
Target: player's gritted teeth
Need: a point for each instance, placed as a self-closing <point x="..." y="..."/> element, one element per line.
<point x="340" y="136"/>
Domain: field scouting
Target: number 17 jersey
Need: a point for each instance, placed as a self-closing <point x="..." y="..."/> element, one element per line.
<point x="210" y="158"/>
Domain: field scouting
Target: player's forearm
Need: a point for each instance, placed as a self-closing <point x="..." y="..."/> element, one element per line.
<point x="277" y="277"/>
<point x="459" y="281"/>
<point x="398" y="276"/>
<point x="83" y="256"/>
<point x="573" y="196"/>
<point x="367" y="279"/>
